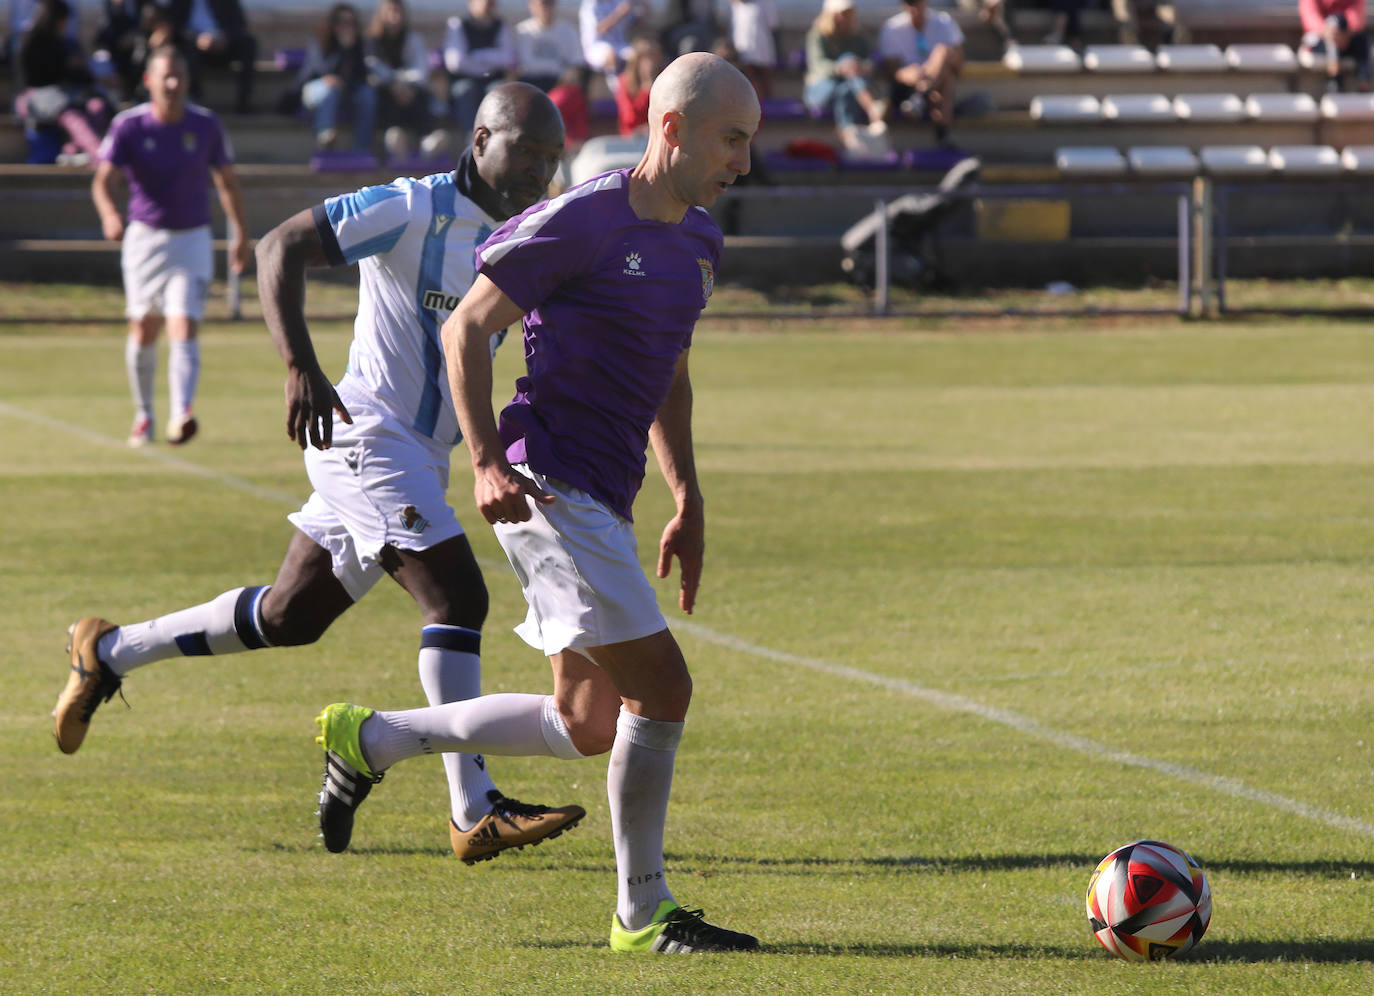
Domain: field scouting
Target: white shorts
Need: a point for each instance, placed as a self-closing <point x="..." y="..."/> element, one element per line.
<point x="166" y="272"/>
<point x="377" y="485"/>
<point x="578" y="564"/>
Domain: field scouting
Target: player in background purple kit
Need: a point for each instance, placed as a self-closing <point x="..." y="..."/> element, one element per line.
<point x="609" y="279"/>
<point x="168" y="150"/>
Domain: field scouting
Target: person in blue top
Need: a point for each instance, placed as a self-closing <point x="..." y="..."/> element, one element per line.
<point x="609" y="279"/>
<point x="377" y="449"/>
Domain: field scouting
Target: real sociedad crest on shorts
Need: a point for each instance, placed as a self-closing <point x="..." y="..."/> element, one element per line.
<point x="708" y="278"/>
<point x="412" y="520"/>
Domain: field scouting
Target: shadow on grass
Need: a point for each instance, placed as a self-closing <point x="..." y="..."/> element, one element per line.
<point x="1209" y="951"/>
<point x="1332" y="950"/>
<point x="1007" y="862"/>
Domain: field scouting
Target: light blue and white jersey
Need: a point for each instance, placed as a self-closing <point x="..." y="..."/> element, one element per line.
<point x="415" y="245"/>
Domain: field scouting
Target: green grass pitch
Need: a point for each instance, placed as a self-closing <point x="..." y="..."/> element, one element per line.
<point x="979" y="607"/>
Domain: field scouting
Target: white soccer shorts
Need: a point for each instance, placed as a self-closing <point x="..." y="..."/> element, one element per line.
<point x="578" y="563"/>
<point x="376" y="485"/>
<point x="166" y="272"/>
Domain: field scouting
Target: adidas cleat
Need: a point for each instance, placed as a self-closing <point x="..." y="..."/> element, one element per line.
<point x="90" y="683"/>
<point x="510" y="824"/>
<point x="347" y="778"/>
<point x="675" y="930"/>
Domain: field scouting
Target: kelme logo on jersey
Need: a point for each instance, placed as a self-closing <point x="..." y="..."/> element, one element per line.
<point x="412" y="520"/>
<point x="439" y="301"/>
<point x="708" y="278"/>
<point x="633" y="266"/>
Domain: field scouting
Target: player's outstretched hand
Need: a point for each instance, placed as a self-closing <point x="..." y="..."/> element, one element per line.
<point x="503" y="494"/>
<point x="311" y="402"/>
<point x="684" y="538"/>
<point x="112" y="228"/>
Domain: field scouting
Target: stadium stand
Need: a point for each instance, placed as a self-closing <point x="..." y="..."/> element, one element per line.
<point x="1236" y="104"/>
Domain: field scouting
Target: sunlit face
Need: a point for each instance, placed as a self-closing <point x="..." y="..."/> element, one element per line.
<point x="393" y="16"/>
<point x="542" y="11"/>
<point x="166" y="78"/>
<point x="713" y="148"/>
<point x="519" y="163"/>
<point x="483" y="10"/>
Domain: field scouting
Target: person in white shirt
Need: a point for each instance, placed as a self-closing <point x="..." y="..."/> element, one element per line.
<point x="545" y="47"/>
<point x="922" y="52"/>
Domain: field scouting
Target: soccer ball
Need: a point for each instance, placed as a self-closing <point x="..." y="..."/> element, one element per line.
<point x="1148" y="901"/>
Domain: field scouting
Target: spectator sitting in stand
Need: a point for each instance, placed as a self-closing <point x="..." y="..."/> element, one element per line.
<point x="837" y="79"/>
<point x="632" y="86"/>
<point x="1336" y="29"/>
<point x="1128" y="20"/>
<point x="922" y="52"/>
<point x="335" y="73"/>
<point x="1068" y="23"/>
<point x="993" y="13"/>
<point x="123" y="41"/>
<point x="400" y="63"/>
<point x="479" y="53"/>
<point x="59" y="90"/>
<point x="604" y="28"/>
<point x="752" y="23"/>
<point x="215" y="32"/>
<point x="692" y="29"/>
<point x="545" y="47"/>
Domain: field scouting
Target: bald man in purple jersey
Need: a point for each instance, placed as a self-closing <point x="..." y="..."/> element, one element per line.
<point x="609" y="279"/>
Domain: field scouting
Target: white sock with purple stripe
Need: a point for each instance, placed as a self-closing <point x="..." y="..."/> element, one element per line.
<point x="227" y="624"/>
<point x="451" y="671"/>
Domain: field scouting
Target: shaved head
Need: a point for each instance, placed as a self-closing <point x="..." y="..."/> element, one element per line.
<point x="518" y="107"/>
<point x="697" y="83"/>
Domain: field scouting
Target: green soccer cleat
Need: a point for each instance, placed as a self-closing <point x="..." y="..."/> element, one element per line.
<point x="347" y="777"/>
<point x="675" y="930"/>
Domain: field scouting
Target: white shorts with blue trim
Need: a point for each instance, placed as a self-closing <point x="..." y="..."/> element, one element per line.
<point x="377" y="485"/>
<point x="578" y="563"/>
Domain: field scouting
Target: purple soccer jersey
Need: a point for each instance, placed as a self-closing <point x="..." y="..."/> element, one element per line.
<point x="168" y="165"/>
<point x="611" y="300"/>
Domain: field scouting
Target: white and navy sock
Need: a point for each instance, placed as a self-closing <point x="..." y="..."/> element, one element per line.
<point x="451" y="671"/>
<point x="183" y="373"/>
<point x="227" y="624"/>
<point x="638" y="782"/>
<point x="140" y="362"/>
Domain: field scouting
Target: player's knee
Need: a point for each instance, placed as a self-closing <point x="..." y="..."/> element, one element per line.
<point x="462" y="604"/>
<point x="591" y="724"/>
<point x="286" y="626"/>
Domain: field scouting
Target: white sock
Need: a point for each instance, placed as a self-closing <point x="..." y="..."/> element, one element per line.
<point x="183" y="372"/>
<point x="451" y="671"/>
<point x="141" y="364"/>
<point x="638" y="781"/>
<point x="507" y="723"/>
<point x="227" y="624"/>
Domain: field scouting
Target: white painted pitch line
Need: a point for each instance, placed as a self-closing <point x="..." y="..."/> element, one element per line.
<point x="152" y="452"/>
<point x="943" y="700"/>
<point x="1030" y="727"/>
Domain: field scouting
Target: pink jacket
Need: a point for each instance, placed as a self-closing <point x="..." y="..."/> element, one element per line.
<point x="1315" y="13"/>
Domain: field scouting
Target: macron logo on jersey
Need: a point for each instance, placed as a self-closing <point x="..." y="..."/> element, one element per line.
<point x="439" y="301"/>
<point x="441" y="221"/>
